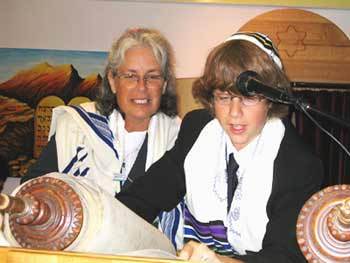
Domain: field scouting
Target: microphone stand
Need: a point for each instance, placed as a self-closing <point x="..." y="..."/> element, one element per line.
<point x="301" y="105"/>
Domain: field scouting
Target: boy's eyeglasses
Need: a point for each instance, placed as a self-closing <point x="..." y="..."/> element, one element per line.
<point x="225" y="99"/>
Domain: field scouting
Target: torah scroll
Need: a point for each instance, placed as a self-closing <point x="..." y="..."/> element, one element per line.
<point x="63" y="212"/>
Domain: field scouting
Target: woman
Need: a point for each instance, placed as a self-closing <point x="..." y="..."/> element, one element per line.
<point x="131" y="124"/>
<point x="276" y="172"/>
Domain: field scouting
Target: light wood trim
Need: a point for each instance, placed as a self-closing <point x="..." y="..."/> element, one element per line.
<point x="343" y="4"/>
<point x="20" y="255"/>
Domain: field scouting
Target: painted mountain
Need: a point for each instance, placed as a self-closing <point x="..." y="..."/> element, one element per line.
<point x="19" y="97"/>
<point x="31" y="85"/>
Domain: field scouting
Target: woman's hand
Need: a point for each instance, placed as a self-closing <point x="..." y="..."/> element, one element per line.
<point x="193" y="251"/>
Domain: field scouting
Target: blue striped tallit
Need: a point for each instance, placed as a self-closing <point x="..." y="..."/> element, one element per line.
<point x="171" y="223"/>
<point x="97" y="123"/>
<point x="213" y="234"/>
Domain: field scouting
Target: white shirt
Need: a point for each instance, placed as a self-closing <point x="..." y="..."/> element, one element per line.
<point x="132" y="145"/>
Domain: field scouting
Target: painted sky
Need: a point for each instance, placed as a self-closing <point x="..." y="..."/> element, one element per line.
<point x="85" y="62"/>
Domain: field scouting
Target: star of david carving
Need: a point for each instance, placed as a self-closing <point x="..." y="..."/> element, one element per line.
<point x="291" y="41"/>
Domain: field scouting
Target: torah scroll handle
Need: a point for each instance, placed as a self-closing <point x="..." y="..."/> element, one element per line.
<point x="46" y="213"/>
<point x="323" y="226"/>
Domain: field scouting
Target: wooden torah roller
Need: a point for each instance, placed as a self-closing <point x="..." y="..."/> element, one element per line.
<point x="323" y="226"/>
<point x="64" y="212"/>
<point x="46" y="213"/>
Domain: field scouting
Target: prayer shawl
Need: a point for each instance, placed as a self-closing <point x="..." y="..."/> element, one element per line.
<point x="91" y="145"/>
<point x="205" y="214"/>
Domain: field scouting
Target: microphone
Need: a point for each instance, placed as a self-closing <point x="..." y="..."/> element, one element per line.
<point x="248" y="84"/>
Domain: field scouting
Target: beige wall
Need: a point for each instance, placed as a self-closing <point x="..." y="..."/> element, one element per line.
<point x="193" y="29"/>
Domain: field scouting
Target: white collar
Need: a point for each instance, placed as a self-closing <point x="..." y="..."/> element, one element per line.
<point x="112" y="121"/>
<point x="244" y="155"/>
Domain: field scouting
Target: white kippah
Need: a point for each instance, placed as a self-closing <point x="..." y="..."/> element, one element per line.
<point x="262" y="41"/>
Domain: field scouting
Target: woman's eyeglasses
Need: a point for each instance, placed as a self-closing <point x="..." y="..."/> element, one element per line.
<point x="150" y="80"/>
<point x="225" y="99"/>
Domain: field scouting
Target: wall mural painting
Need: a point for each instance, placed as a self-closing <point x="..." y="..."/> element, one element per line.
<point x="32" y="82"/>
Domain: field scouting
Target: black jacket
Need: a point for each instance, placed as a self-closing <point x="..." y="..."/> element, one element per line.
<point x="297" y="175"/>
